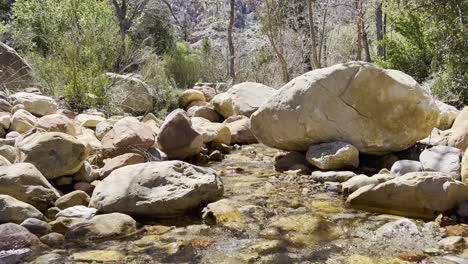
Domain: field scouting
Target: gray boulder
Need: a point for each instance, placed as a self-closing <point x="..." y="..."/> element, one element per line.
<point x="16" y="211"/>
<point x="333" y="156"/>
<point x="15" y="72"/>
<point x="402" y="167"/>
<point x="442" y="159"/>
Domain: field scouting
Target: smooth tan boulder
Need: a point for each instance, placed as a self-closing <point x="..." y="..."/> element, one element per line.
<point x="89" y="121"/>
<point x="54" y="154"/>
<point x="57" y="123"/>
<point x="22" y="121"/>
<point x="207" y="91"/>
<point x="462" y="117"/>
<point x="16" y="211"/>
<point x="127" y="136"/>
<point x="25" y="183"/>
<point x="242" y="99"/>
<point x="212" y="132"/>
<point x="119" y="162"/>
<point x="72" y="199"/>
<point x="177" y="138"/>
<point x="205" y="112"/>
<point x="8" y="152"/>
<point x="88" y="138"/>
<point x="240" y="130"/>
<point x="464" y="169"/>
<point x="458" y="136"/>
<point x="447" y="116"/>
<point x="5" y="120"/>
<point x="157" y="189"/>
<point x="333" y="156"/>
<point x="37" y="105"/>
<point x="412" y="195"/>
<point x="189" y="96"/>
<point x="378" y="111"/>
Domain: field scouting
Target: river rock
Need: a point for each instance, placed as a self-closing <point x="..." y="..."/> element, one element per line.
<point x="36" y="226"/>
<point x="152" y="122"/>
<point x="5" y="120"/>
<point x="189" y="96"/>
<point x="55" y="240"/>
<point x="25" y="183"/>
<point x="205" y="112"/>
<point x="447" y="116"/>
<point x="127" y="136"/>
<point x="78" y="211"/>
<point x="102" y="227"/>
<point x="102" y="128"/>
<point x="4" y="161"/>
<point x="5" y="106"/>
<point x="442" y="159"/>
<point x="72" y="199"/>
<point x="177" y="138"/>
<point x="291" y="161"/>
<point x="89" y="121"/>
<point x="119" y="162"/>
<point x="211" y="132"/>
<point x="157" y="189"/>
<point x="464" y="169"/>
<point x="240" y="130"/>
<point x="37" y="105"/>
<point x="458" y="136"/>
<point x="16" y="211"/>
<point x="402" y="167"/>
<point x="412" y="195"/>
<point x="242" y="99"/>
<point x="332" y="176"/>
<point x="22" y="121"/>
<point x="15" y="72"/>
<point x="461" y="118"/>
<point x="87" y="173"/>
<point x="54" y="154"/>
<point x="378" y="111"/>
<point x="207" y="91"/>
<point x="17" y="244"/>
<point x="130" y="94"/>
<point x="333" y="156"/>
<point x="453" y="243"/>
<point x="87" y="137"/>
<point x="357" y="182"/>
<point x="8" y="152"/>
<point x="63" y="224"/>
<point x="57" y="123"/>
<point x="398" y="228"/>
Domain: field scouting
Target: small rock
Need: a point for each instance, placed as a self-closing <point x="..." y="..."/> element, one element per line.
<point x="216" y="156"/>
<point x="53" y="240"/>
<point x="85" y="187"/>
<point x="78" y="211"/>
<point x="112" y="256"/>
<point x="332" y="176"/>
<point x="333" y="156"/>
<point x="119" y="162"/>
<point x="453" y="243"/>
<point x="284" y="162"/>
<point x="51" y="212"/>
<point x="8" y="152"/>
<point x="38" y="105"/>
<point x="398" y="228"/>
<point x="89" y="121"/>
<point x="17" y="244"/>
<point x="357" y="182"/>
<point x="72" y="199"/>
<point x="102" y="128"/>
<point x="240" y="131"/>
<point x="402" y="167"/>
<point x="87" y="173"/>
<point x="36" y="226"/>
<point x="22" y="121"/>
<point x="106" y="226"/>
<point x="189" y="96"/>
<point x="57" y="123"/>
<point x="63" y="224"/>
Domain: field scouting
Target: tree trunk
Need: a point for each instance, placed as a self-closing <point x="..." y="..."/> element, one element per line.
<point x="313" y="35"/>
<point x="323" y="38"/>
<point x="359" y="31"/>
<point x="232" y="73"/>
<point x="366" y="43"/>
<point x="379" y="29"/>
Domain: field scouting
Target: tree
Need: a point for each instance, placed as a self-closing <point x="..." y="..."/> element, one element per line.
<point x="126" y="11"/>
<point x="313" y="35"/>
<point x="272" y="25"/>
<point x="379" y="28"/>
<point x="182" y="66"/>
<point x="232" y="18"/>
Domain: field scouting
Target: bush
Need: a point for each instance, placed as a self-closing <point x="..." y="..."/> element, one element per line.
<point x="182" y="66"/>
<point x="71" y="44"/>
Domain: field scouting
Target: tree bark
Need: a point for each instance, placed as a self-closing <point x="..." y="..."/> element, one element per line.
<point x="359" y="30"/>
<point x="379" y="27"/>
<point x="313" y="35"/>
<point x="231" y="70"/>
<point x="323" y="38"/>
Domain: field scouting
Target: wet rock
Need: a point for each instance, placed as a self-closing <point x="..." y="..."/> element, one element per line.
<point x="119" y="162"/>
<point x="290" y="161"/>
<point x="204" y="112"/>
<point x="333" y="156"/>
<point x="332" y="176"/>
<point x="127" y="136"/>
<point x="22" y="121"/>
<point x="240" y="131"/>
<point x="101" y="227"/>
<point x="57" y="123"/>
<point x="78" y="211"/>
<point x="157" y="189"/>
<point x="453" y="243"/>
<point x="15" y="211"/>
<point x="36" y="226"/>
<point x="99" y="256"/>
<point x="402" y="227"/>
<point x="442" y="159"/>
<point x="72" y="199"/>
<point x="402" y="167"/>
<point x="37" y="105"/>
<point x="17" y="244"/>
<point x="225" y="149"/>
<point x="53" y="239"/>
<point x="357" y="182"/>
<point x="189" y="96"/>
<point x="211" y="132"/>
<point x="223" y="213"/>
<point x="25" y="183"/>
<point x="341" y="103"/>
<point x="412" y="195"/>
<point x="89" y="121"/>
<point x="177" y="138"/>
<point x="242" y="99"/>
<point x="53" y="154"/>
<point x="216" y="156"/>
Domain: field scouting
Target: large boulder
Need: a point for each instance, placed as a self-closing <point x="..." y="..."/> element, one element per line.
<point x="101" y="227"/>
<point x="447" y="116"/>
<point x="458" y="136"/>
<point x="402" y="167"/>
<point x="37" y="105"/>
<point x="5" y="120"/>
<point x="25" y="183"/>
<point x="177" y="138"/>
<point x="16" y="211"/>
<point x="412" y="195"/>
<point x="462" y="117"/>
<point x="57" y="123"/>
<point x="157" y="189"/>
<point x="189" y="96"/>
<point x="22" y="121"/>
<point x="17" y="244"/>
<point x="212" y="132"/>
<point x="130" y="94"/>
<point x="464" y="169"/>
<point x="378" y="111"/>
<point x="333" y="156"/>
<point x="15" y="72"/>
<point x="442" y="159"/>
<point x="54" y="154"/>
<point x="128" y="135"/>
<point x="242" y="99"/>
<point x="240" y="130"/>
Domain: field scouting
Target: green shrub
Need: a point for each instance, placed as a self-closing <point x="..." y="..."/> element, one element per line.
<point x="71" y="44"/>
<point x="182" y="66"/>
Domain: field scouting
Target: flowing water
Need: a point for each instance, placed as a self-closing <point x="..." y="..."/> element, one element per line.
<point x="269" y="217"/>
